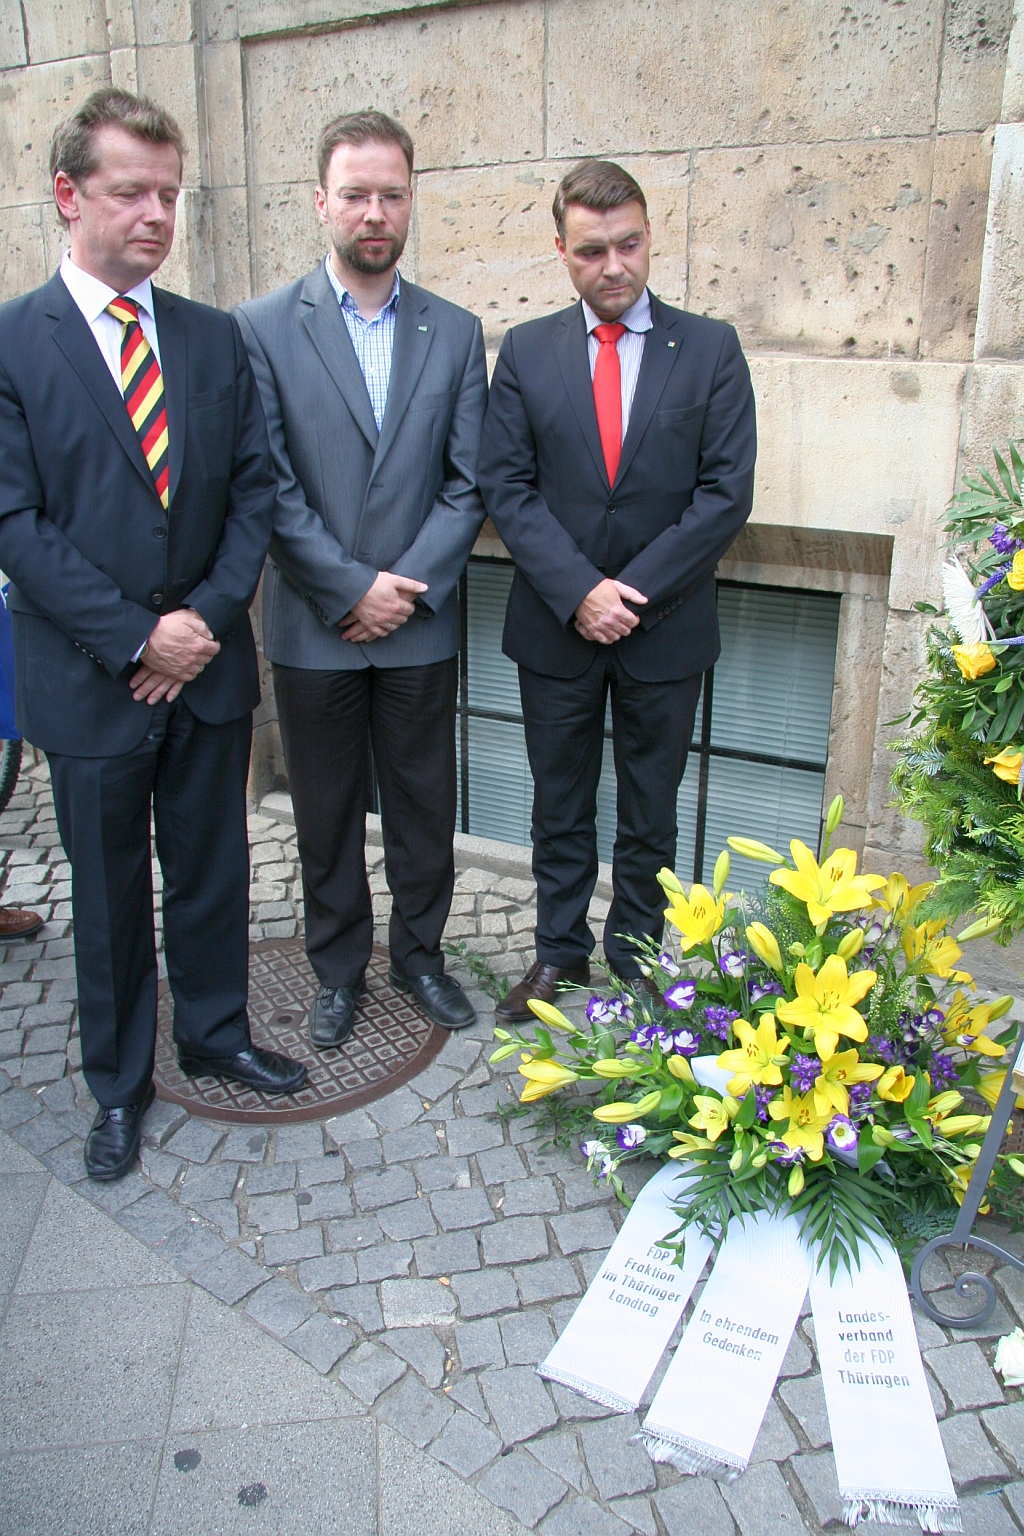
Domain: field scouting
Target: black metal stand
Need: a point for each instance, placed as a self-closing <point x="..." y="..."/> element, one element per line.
<point x="961" y="1235"/>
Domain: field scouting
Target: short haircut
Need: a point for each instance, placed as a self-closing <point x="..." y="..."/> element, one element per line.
<point x="597" y="184"/>
<point x="360" y="128"/>
<point x="73" y="150"/>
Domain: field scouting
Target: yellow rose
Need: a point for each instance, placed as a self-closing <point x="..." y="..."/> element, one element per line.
<point x="1015" y="575"/>
<point x="1007" y="765"/>
<point x="974" y="660"/>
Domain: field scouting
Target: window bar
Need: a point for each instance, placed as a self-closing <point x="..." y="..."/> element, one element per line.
<point x="705" y="770"/>
<point x="464" y="697"/>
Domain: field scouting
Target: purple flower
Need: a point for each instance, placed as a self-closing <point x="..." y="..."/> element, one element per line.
<point x="934" y="1018"/>
<point x="761" y="989"/>
<point x="1003" y="541"/>
<point x="762" y="1098"/>
<point x="681" y="994"/>
<point x="943" y="1073"/>
<point x="786" y="1155"/>
<point x="882" y="1049"/>
<point x="841" y="1133"/>
<point x="598" y="1011"/>
<point x="630" y="1136"/>
<point x="619" y="1009"/>
<point x="873" y="933"/>
<point x="803" y="1070"/>
<point x="646" y="1036"/>
<point x="667" y="964"/>
<point x="591" y="1148"/>
<point x="719" y="1021"/>
<point x="733" y="963"/>
<point x="860" y="1098"/>
<point x="685" y="1042"/>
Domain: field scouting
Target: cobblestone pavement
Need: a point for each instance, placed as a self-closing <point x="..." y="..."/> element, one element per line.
<point x="422" y="1254"/>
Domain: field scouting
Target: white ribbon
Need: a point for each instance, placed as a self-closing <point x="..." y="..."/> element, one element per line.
<point x="708" y="1410"/>
<point x="889" y="1456"/>
<point x="612" y="1343"/>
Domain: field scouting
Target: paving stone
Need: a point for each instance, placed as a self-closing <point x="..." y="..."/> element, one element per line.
<point x="66" y="1162"/>
<point x="456" y="1209"/>
<point x="42" y="1069"/>
<point x="433" y="1083"/>
<point x="454" y="1253"/>
<point x="417" y="1414"/>
<point x="290" y="1247"/>
<point x="479" y="1344"/>
<point x="412" y="1142"/>
<point x="994" y="1327"/>
<point x="695" y="1507"/>
<point x="416" y="1303"/>
<point x="294" y="1141"/>
<point x="543" y="1158"/>
<point x="1014" y="1495"/>
<point x="547" y="1281"/>
<point x="761" y="1503"/>
<point x="384" y="1262"/>
<point x="20" y="994"/>
<point x="530" y="1196"/>
<point x="190" y="1247"/>
<point x="467" y="1136"/>
<point x="196" y="1141"/>
<point x="360" y="1303"/>
<point x="280" y="1308"/>
<point x="443" y="1173"/>
<point x="561" y="1455"/>
<point x="561" y="1313"/>
<point x="360" y="1232"/>
<point x="581" y="1189"/>
<point x="322" y="1341"/>
<point x="501" y="1165"/>
<point x="479" y="1101"/>
<point x="213" y="1182"/>
<point x="971" y="1458"/>
<point x="572" y="1406"/>
<point x="41" y="1134"/>
<point x="465" y="1444"/>
<point x="420" y="1348"/>
<point x="929" y="1334"/>
<point x="230" y="1277"/>
<point x="582" y="1517"/>
<point x="527" y="1337"/>
<point x="984" y="1514"/>
<point x="374" y="1190"/>
<point x="817" y="1475"/>
<point x="324" y="1201"/>
<point x="270" y="1179"/>
<point x="409" y="1220"/>
<point x="618" y="1465"/>
<point x="484" y="1293"/>
<point x="515" y="1240"/>
<point x="1006" y="1426"/>
<point x="273" y="1213"/>
<point x="521" y="1485"/>
<point x="17" y="1106"/>
<point x="160" y="1168"/>
<point x="805" y="1399"/>
<point x="222" y="1213"/>
<point x="362" y="1155"/>
<point x="964" y="1375"/>
<point x="355" y="1126"/>
<point x="151" y="1218"/>
<point x="322" y="1274"/>
<point x="246" y="1144"/>
<point x="518" y="1403"/>
<point x="53" y="1038"/>
<point x="396" y="1110"/>
<point x="798" y="1358"/>
<point x="329" y="1169"/>
<point x="583" y="1230"/>
<point x="467" y="1392"/>
<point x="161" y="1120"/>
<point x="775" y="1440"/>
<point x="369" y="1370"/>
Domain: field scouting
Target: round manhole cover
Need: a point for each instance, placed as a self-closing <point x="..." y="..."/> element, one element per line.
<point x="391" y="1043"/>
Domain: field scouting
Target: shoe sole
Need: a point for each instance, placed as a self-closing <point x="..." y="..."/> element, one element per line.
<point x="193" y="1068"/>
<point x="108" y="1175"/>
<point x="401" y="984"/>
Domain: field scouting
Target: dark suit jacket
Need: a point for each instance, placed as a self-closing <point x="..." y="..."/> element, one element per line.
<point x="682" y="492"/>
<point x="93" y="558"/>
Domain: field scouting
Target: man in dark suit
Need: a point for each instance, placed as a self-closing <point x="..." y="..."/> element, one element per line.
<point x="136" y="494"/>
<point x="374" y="392"/>
<point x="617" y="464"/>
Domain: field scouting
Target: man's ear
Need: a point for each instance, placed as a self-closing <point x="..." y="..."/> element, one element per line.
<point x="65" y="195"/>
<point x="560" y="248"/>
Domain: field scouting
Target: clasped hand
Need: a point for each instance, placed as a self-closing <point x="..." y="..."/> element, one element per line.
<point x="603" y="617"/>
<point x="388" y="604"/>
<point x="178" y="650"/>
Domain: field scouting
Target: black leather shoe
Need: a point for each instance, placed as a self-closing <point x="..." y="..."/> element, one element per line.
<point x="113" y="1143"/>
<point x="440" y="997"/>
<point x="332" y="1017"/>
<point x="266" y="1071"/>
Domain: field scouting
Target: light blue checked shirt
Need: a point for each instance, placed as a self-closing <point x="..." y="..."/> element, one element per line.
<point x="373" y="340"/>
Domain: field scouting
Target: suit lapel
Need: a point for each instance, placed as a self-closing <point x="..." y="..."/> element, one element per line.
<point x="661" y="348"/>
<point x="174" y="366"/>
<point x="413" y="335"/>
<point x="573" y="361"/>
<point x="329" y="334"/>
<point x="76" y="341"/>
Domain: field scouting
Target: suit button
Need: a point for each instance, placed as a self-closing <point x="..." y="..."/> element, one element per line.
<point x="611" y="509"/>
<point x="159" y="533"/>
<point x="156" y="598"/>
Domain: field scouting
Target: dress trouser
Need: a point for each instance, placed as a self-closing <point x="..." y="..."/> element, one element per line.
<point x="329" y="720"/>
<point x="192" y="776"/>
<point x="652" y="727"/>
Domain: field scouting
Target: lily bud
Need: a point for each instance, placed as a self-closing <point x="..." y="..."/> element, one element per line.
<point x="835" y="814"/>
<point x="999" y="1007"/>
<point x="750" y="848"/>
<point x="680" y="1067"/>
<point x="981" y="929"/>
<point x="765" y="945"/>
<point x="736" y="1161"/>
<point x="796" y="1181"/>
<point x="611" y="1068"/>
<point x="882" y="1136"/>
<point x="798" y="949"/>
<point x="852" y="944"/>
<point x="759" y="1159"/>
<point x="548" y="1014"/>
<point x="1017" y="1166"/>
<point x="668" y="881"/>
<point x="722" y="866"/>
<point x="503" y="1052"/>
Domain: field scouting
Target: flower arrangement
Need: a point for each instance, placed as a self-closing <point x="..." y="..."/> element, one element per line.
<point x="808" y="1047"/>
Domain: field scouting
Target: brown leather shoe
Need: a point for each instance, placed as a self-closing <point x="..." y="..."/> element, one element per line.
<point x="16" y="924"/>
<point x="541" y="981"/>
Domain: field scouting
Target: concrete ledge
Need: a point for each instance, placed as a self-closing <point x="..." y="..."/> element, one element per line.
<point x="470" y="852"/>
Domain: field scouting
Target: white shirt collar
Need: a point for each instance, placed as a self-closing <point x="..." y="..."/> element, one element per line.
<point x="343" y="293"/>
<point x="636" y="318"/>
<point x="92" y="296"/>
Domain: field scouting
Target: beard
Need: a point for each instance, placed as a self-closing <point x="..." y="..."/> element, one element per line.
<point x="352" y="254"/>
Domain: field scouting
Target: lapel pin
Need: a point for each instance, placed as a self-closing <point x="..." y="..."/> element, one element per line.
<point x="422" y="327"/>
<point x="671" y="343"/>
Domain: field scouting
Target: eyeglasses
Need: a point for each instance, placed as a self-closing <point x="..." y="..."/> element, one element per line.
<point x="387" y="200"/>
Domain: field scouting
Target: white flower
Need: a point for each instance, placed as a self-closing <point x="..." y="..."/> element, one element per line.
<point x="1009" y="1360"/>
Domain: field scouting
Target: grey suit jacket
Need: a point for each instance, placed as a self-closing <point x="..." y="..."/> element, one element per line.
<point x="352" y="502"/>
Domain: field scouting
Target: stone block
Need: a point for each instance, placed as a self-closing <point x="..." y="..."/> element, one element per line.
<point x="618" y="1465"/>
<point x="322" y="1341"/>
<point x="527" y="1337"/>
<point x="364" y="1154"/>
<point x="13" y="53"/>
<point x="212" y="1182"/>
<point x="518" y="1403"/>
<point x="360" y="1303"/>
<point x="454" y="1253"/>
<point x="420" y="1348"/>
<point x="222" y="68"/>
<point x="695" y="1504"/>
<point x="42" y="1069"/>
<point x="501" y="1165"/>
<point x="119" y="1194"/>
<point x="479" y="1101"/>
<point x="383" y="1263"/>
<point x="270" y="1179"/>
<point x="761" y="1503"/>
<point x="456" y="1209"/>
<point x="971" y="1459"/>
<point x="582" y="1517"/>
<point x="412" y="1219"/>
<point x="956" y="240"/>
<point x="546" y="1281"/>
<point x="964" y="1375"/>
<point x="280" y="1308"/>
<point x="416" y="1303"/>
<point x="479" y="1344"/>
<point x="522" y="1486"/>
<point x="273" y="1213"/>
<point x="321" y="1274"/>
<point x="995" y="411"/>
<point x="41" y="1134"/>
<point x="360" y="1232"/>
<point x="398" y="1109"/>
<point x="984" y="1514"/>
<point x="374" y="1190"/>
<point x="775" y="1440"/>
<point x="229" y="224"/>
<point x="583" y="1230"/>
<point x="329" y="1169"/>
<point x="22" y="252"/>
<point x="290" y="1247"/>
<point x="196" y="1141"/>
<point x="1000" y="330"/>
<point x="245" y="1144"/>
<point x="480" y="1295"/>
<point x="1006" y="1426"/>
<point x="369" y="1370"/>
<point x="580" y="1188"/>
<point x="152" y="1218"/>
<point x="515" y="1240"/>
<point x="465" y="1444"/>
<point x="223" y="1214"/>
<point x="417" y="1414"/>
<point x="411" y="1142"/>
<point x="191" y="1247"/>
<point x="818" y="1479"/>
<point x="324" y="1201"/>
<point x="805" y="1399"/>
<point x="973" y="64"/>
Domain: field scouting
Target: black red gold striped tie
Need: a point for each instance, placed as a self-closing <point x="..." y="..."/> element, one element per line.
<point x="143" y="387"/>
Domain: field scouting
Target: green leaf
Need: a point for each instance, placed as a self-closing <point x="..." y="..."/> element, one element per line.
<point x="922" y="1128"/>
<point x="747" y="1110"/>
<point x="918" y="1097"/>
<point x="1004" y="475"/>
<point x="868" y="1154"/>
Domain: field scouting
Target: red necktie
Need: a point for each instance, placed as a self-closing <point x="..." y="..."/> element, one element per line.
<point x="608" y="395"/>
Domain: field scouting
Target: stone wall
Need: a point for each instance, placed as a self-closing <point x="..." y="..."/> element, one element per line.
<point x="845" y="185"/>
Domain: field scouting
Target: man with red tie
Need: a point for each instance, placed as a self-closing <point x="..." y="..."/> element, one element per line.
<point x="136" y="498"/>
<point x="617" y="464"/>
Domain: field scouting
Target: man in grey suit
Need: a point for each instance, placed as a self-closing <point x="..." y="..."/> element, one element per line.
<point x="374" y="392"/>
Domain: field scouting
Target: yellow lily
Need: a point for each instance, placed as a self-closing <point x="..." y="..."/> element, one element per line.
<point x="830" y="1086"/>
<point x="962" y="1125"/>
<point x="900" y="897"/>
<point x="824" y="1004"/>
<point x="543" y="1077"/>
<point x="697" y="917"/>
<point x="765" y="946"/>
<point x="680" y="1067"/>
<point x="990" y="1088"/>
<point x="1015" y="575"/>
<point x="622" y="1114"/>
<point x="756" y="1061"/>
<point x="964" y="1026"/>
<point x="851" y="944"/>
<point x="713" y="1115"/>
<point x="1007" y="764"/>
<point x="807" y="1123"/>
<point x="959" y="1179"/>
<point x="974" y="660"/>
<point x="928" y="953"/>
<point x="943" y="1104"/>
<point x="548" y="1014"/>
<point x="829" y="888"/>
<point x="688" y="1144"/>
<point x="895" y="1085"/>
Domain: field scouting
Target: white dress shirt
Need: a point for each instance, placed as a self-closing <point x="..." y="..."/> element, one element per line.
<point x="92" y="298"/>
<point x="630" y="346"/>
